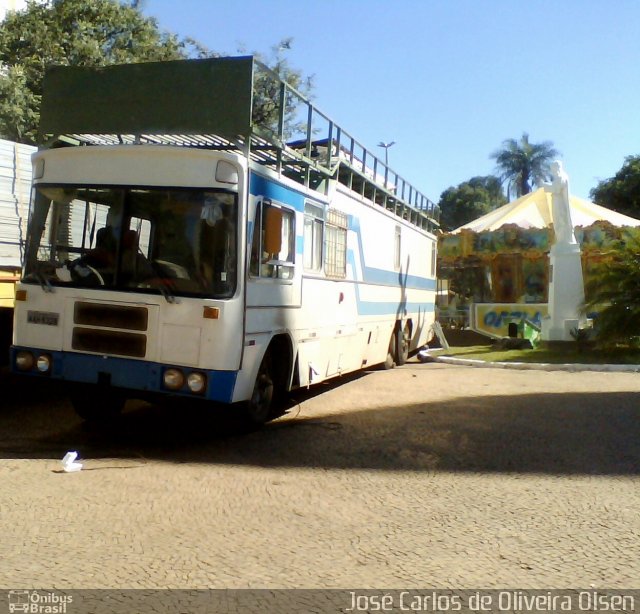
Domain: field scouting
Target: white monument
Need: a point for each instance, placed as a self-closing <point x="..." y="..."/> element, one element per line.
<point x="566" y="285"/>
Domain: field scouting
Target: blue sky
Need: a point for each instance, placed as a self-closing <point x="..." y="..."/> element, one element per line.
<point x="449" y="80"/>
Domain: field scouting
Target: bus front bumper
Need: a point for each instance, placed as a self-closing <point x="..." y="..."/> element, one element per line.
<point x="123" y="373"/>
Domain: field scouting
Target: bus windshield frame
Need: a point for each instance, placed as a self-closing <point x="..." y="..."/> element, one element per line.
<point x="175" y="241"/>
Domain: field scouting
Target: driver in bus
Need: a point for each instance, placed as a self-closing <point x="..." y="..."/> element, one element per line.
<point x="103" y="255"/>
<point x="135" y="266"/>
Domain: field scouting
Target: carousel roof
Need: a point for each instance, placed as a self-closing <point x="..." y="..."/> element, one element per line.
<point x="534" y="211"/>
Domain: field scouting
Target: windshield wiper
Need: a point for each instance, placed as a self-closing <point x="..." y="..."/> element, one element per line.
<point x="164" y="287"/>
<point x="166" y="292"/>
<point x="45" y="284"/>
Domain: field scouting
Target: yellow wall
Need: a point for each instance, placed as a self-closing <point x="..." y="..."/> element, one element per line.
<point x="8" y="281"/>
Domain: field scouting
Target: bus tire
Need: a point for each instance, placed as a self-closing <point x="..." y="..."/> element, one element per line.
<point x="390" y="361"/>
<point x="402" y="345"/>
<point x="259" y="409"/>
<point x="93" y="404"/>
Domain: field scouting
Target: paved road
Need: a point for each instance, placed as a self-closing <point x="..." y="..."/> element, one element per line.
<point x="428" y="475"/>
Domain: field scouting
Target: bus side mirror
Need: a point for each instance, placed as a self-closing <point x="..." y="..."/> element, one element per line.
<point x="272" y="230"/>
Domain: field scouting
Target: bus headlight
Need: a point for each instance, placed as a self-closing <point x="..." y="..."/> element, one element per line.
<point x="43" y="364"/>
<point x="24" y="361"/>
<point x="173" y="379"/>
<point x="196" y="382"/>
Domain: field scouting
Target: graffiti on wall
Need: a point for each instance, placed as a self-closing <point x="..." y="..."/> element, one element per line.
<point x="494" y="318"/>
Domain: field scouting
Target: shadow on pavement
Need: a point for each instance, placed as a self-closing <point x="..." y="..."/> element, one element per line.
<point x="571" y="434"/>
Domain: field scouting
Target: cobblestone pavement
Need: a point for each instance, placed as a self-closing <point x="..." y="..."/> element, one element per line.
<point x="428" y="475"/>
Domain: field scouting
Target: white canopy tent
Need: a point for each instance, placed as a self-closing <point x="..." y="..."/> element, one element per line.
<point x="534" y="211"/>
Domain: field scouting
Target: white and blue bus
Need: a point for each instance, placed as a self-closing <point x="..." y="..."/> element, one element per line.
<point x="209" y="259"/>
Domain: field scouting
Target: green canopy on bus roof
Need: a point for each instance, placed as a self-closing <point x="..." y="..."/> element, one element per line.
<point x="210" y="96"/>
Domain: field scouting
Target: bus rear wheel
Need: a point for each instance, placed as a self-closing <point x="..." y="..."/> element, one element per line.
<point x="402" y="345"/>
<point x="95" y="405"/>
<point x="390" y="361"/>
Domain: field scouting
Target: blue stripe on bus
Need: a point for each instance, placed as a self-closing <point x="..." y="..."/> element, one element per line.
<point x="261" y="186"/>
<point x="394" y="278"/>
<point x="366" y="308"/>
<point x="381" y="276"/>
<point x="380" y="308"/>
<point x="128" y="374"/>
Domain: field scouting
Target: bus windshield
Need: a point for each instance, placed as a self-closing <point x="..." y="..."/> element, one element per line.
<point x="173" y="241"/>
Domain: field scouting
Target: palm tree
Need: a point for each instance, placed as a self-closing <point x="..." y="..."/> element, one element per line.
<point x="520" y="163"/>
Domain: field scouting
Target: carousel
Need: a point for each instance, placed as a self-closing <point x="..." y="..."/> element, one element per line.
<point x="497" y="269"/>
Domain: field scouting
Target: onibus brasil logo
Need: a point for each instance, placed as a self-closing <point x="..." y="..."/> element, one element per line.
<point x="38" y="602"/>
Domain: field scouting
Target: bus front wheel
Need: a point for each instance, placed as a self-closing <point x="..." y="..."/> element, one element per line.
<point x="95" y="405"/>
<point x="259" y="409"/>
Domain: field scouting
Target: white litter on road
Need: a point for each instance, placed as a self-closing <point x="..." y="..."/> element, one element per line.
<point x="68" y="462"/>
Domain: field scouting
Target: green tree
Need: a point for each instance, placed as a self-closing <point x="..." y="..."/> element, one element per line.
<point x="521" y="163"/>
<point x="69" y="32"/>
<point x="100" y="33"/>
<point x="266" y="99"/>
<point x="470" y="200"/>
<point x="622" y="192"/>
<point x="613" y="292"/>
<point x="18" y="106"/>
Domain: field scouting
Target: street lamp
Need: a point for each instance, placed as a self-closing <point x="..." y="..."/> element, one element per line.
<point x="386" y="150"/>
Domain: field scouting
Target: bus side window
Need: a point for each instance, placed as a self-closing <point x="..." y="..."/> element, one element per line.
<point x="273" y="227"/>
<point x="313" y="236"/>
<point x="273" y="245"/>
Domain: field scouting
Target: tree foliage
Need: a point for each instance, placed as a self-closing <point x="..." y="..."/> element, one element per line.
<point x="613" y="292"/>
<point x="470" y="200"/>
<point x="97" y="33"/>
<point x="621" y="192"/>
<point x="267" y="92"/>
<point x="73" y="33"/>
<point x="18" y="106"/>
<point x="522" y="164"/>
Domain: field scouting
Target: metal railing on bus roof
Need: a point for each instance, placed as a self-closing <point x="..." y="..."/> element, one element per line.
<point x="345" y="159"/>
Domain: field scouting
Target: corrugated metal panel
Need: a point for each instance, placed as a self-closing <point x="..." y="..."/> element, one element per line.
<point x="15" y="187"/>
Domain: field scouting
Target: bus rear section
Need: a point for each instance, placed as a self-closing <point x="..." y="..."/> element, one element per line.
<point x="350" y="283"/>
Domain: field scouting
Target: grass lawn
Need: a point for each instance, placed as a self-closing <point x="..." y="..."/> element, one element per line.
<point x="570" y="355"/>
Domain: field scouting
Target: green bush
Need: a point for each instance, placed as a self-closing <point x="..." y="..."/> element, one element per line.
<point x="613" y="291"/>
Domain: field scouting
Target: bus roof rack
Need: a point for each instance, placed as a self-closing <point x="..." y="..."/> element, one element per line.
<point x="230" y="104"/>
